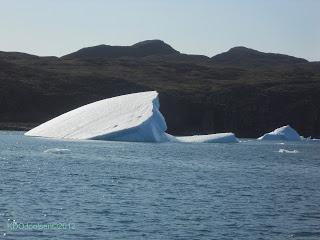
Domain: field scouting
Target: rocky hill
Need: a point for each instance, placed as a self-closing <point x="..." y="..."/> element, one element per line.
<point x="141" y="49"/>
<point x="243" y="90"/>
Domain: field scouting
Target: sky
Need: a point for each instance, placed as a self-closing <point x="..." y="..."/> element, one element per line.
<point x="206" y="27"/>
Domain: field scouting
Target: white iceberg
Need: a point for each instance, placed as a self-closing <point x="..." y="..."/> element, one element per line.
<point x="288" y="151"/>
<point x="211" y="138"/>
<point x="286" y="133"/>
<point x="132" y="117"/>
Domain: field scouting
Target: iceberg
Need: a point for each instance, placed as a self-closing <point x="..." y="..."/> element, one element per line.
<point x="286" y="133"/>
<point x="288" y="151"/>
<point x="210" y="138"/>
<point x="133" y="118"/>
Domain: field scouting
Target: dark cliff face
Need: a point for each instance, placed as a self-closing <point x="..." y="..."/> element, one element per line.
<point x="242" y="90"/>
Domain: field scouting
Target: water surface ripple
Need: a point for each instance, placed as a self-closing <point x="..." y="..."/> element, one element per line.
<point x="114" y="190"/>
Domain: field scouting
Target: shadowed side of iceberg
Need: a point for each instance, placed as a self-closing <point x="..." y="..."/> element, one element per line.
<point x="152" y="130"/>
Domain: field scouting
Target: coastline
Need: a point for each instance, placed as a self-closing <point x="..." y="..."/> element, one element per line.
<point x="16" y="126"/>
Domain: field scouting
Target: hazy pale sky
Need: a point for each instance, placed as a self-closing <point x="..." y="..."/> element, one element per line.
<point x="208" y="27"/>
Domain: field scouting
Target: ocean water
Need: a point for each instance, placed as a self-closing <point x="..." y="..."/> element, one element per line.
<point x="52" y="189"/>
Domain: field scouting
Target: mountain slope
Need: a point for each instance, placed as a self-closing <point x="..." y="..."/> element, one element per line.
<point x="246" y="56"/>
<point x="141" y="49"/>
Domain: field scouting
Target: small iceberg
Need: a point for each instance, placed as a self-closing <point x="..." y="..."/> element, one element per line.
<point x="133" y="118"/>
<point x="211" y="138"/>
<point x="285" y="133"/>
<point x="287" y="151"/>
<point x="310" y="139"/>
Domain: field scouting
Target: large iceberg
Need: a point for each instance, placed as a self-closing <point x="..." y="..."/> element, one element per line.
<point x="132" y="117"/>
<point x="285" y="133"/>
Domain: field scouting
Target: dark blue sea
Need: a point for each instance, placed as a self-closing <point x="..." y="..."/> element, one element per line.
<point x="52" y="189"/>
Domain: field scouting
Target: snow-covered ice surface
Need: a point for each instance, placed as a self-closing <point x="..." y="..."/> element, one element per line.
<point x="211" y="138"/>
<point x="286" y="133"/>
<point x="132" y="117"/>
